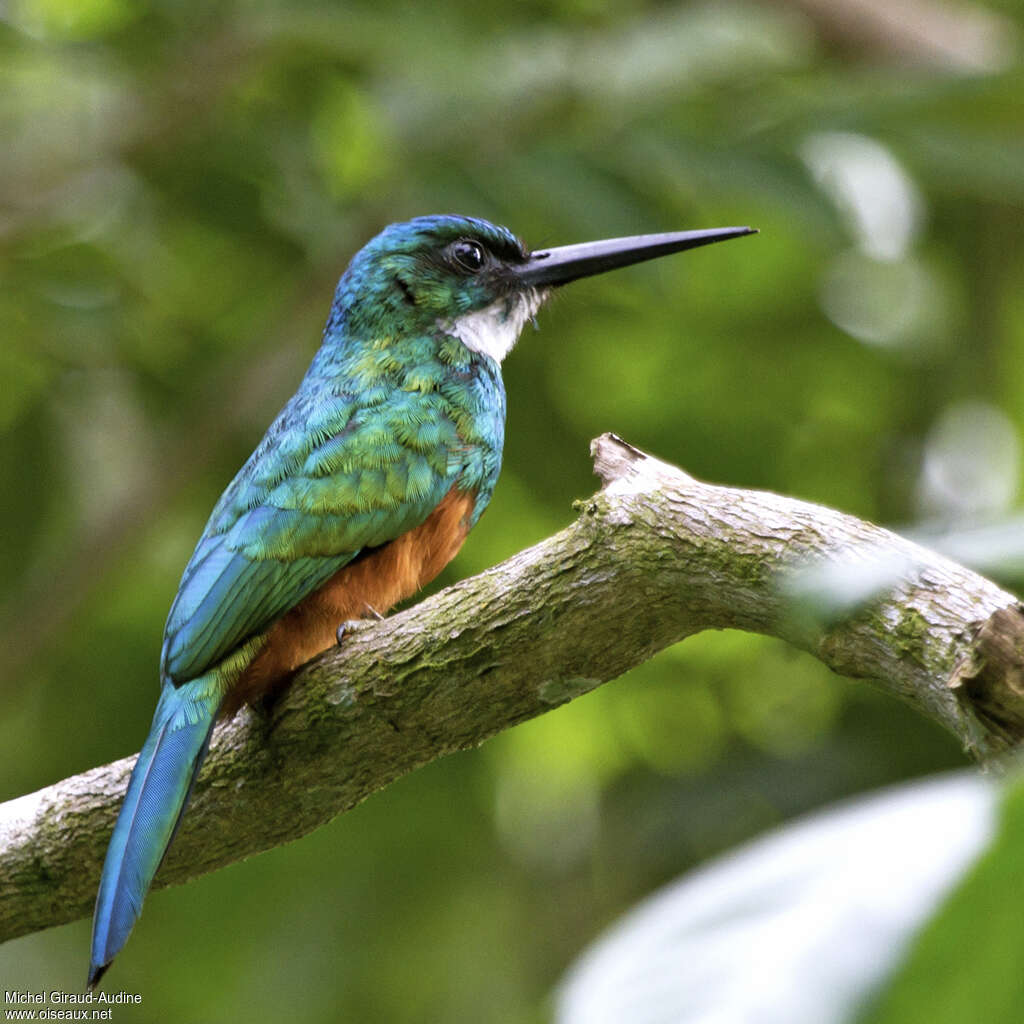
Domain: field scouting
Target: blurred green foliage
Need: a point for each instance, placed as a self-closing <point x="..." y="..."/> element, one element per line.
<point x="180" y="185"/>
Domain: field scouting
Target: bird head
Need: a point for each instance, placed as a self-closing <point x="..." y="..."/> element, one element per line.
<point x="476" y="281"/>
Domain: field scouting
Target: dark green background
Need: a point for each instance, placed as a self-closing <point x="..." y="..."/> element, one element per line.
<point x="180" y="186"/>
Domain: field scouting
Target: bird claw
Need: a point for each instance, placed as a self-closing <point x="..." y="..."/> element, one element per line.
<point x="348" y="626"/>
<point x="351" y="625"/>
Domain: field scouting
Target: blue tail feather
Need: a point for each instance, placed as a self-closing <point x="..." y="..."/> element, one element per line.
<point x="158" y="791"/>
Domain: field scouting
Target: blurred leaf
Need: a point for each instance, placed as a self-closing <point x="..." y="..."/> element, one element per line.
<point x="963" y="966"/>
<point x="74" y="19"/>
<point x="803" y="925"/>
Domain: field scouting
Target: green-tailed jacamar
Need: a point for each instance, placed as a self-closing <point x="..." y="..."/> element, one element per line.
<point x="362" y="490"/>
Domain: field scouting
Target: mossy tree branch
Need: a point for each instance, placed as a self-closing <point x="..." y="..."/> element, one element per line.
<point x="653" y="557"/>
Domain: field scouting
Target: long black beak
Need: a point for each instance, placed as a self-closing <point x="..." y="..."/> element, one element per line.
<point x="549" y="267"/>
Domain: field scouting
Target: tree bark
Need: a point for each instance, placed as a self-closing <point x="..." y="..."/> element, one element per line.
<point x="653" y="557"/>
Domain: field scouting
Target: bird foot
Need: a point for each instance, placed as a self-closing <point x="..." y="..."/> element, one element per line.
<point x="351" y="625"/>
<point x="348" y="626"/>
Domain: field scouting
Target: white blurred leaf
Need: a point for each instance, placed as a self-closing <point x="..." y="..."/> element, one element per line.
<point x="796" y="928"/>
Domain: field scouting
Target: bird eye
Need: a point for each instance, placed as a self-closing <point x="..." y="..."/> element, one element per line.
<point x="468" y="255"/>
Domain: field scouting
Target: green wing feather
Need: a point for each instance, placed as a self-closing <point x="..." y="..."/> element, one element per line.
<point x="330" y="478"/>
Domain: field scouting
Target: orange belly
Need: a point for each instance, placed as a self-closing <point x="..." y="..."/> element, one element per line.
<point x="375" y="581"/>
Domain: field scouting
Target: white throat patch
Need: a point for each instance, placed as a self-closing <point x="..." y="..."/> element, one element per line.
<point x="494" y="330"/>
